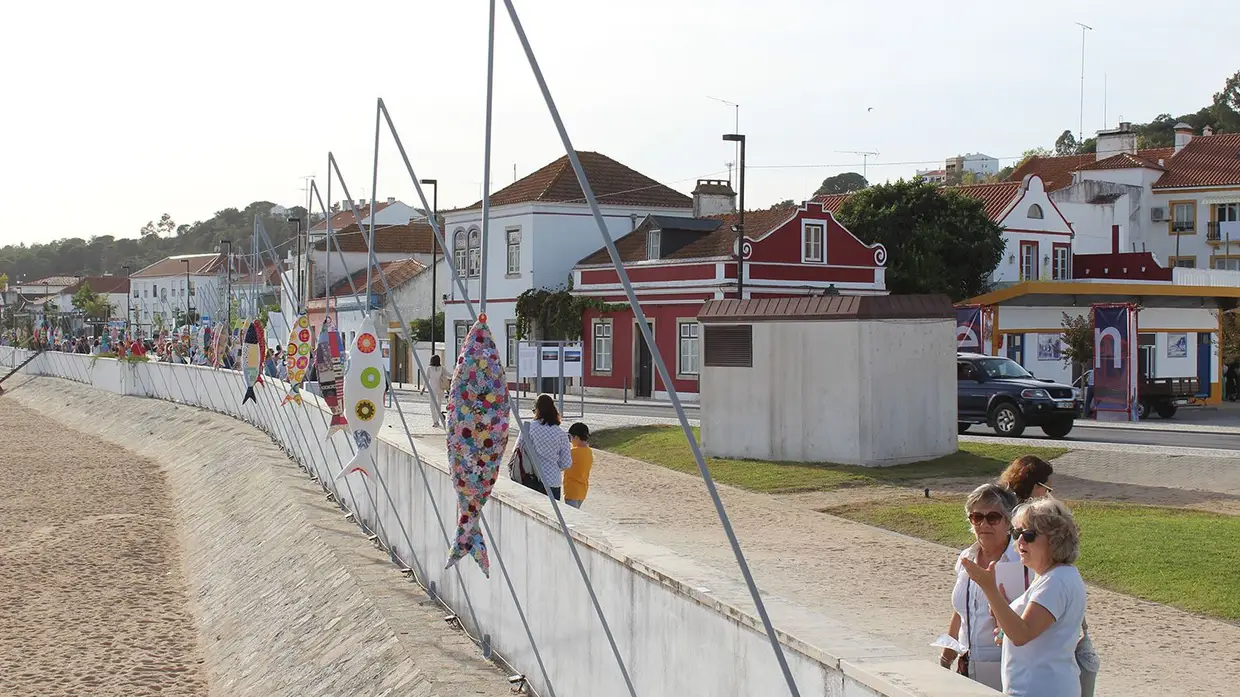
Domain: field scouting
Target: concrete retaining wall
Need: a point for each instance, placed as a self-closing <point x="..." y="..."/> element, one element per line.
<point x="683" y="629"/>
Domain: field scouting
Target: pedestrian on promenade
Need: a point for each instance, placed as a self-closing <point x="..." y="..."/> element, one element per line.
<point x="543" y="441"/>
<point x="1040" y="630"/>
<point x="577" y="478"/>
<point x="436" y="380"/>
<point x="989" y="513"/>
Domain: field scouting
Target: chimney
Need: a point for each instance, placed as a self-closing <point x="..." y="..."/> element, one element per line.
<point x="1207" y="131"/>
<point x="346" y="204"/>
<point x="713" y="197"/>
<point x="1116" y="141"/>
<point x="361" y="203"/>
<point x="391" y="200"/>
<point x="1183" y="134"/>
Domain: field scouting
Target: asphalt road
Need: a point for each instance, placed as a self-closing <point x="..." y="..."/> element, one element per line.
<point x="1181" y="438"/>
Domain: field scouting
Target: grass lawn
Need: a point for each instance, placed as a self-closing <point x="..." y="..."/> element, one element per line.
<point x="1184" y="558"/>
<point x="666" y="446"/>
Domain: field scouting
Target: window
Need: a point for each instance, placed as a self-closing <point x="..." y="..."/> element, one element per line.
<point x="965" y="371"/>
<point x="475" y="253"/>
<point x="458" y="251"/>
<point x="729" y="347"/>
<point x="1227" y="263"/>
<point x="513" y="236"/>
<point x="601" y="357"/>
<point x="462" y="330"/>
<point x="510" y="332"/>
<point x="812" y="242"/>
<point x="654" y="244"/>
<point x="1227" y="212"/>
<point x="191" y="289"/>
<point x="163" y="294"/>
<point x="1028" y="261"/>
<point x="1184" y="262"/>
<point x="1035" y="212"/>
<point x="687" y="355"/>
<point x="1184" y="218"/>
<point x="1060" y="262"/>
<point x="144" y="292"/>
<point x="135" y="293"/>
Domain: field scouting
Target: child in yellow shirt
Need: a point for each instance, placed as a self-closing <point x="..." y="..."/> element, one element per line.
<point x="577" y="477"/>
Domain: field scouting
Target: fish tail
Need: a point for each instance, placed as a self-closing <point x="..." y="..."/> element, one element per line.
<point x="337" y="425"/>
<point x="469" y="541"/>
<point x="356" y="464"/>
<point x="249" y="395"/>
<point x="260" y="379"/>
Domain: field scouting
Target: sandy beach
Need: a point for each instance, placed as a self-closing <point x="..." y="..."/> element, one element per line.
<point x="91" y="582"/>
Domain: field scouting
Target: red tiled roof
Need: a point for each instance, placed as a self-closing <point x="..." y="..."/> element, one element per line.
<point x="1056" y="172"/>
<point x="51" y="281"/>
<point x="175" y="265"/>
<point x="1144" y="158"/>
<point x="100" y="284"/>
<point x="345" y="218"/>
<point x="1205" y="161"/>
<point x="397" y="273"/>
<point x="715" y="243"/>
<point x="613" y="183"/>
<point x="996" y="197"/>
<point x="415" y="238"/>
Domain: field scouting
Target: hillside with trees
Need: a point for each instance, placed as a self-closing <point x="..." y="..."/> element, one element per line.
<point x="108" y="254"/>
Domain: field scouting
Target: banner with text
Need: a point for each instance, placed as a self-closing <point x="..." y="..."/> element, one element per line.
<point x="1115" y="362"/>
<point x="969" y="329"/>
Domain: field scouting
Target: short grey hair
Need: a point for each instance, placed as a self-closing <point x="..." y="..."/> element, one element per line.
<point x="1051" y="518"/>
<point x="991" y="494"/>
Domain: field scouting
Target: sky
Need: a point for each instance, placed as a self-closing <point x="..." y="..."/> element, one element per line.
<point x="119" y="112"/>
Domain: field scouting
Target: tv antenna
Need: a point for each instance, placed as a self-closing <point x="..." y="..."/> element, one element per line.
<point x="736" y="128"/>
<point x="865" y="155"/>
<point x="1080" y="128"/>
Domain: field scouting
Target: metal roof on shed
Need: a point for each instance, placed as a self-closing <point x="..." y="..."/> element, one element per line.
<point x="833" y="307"/>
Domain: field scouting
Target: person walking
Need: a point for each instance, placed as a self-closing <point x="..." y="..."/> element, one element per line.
<point x="436" y="378"/>
<point x="543" y="441"/>
<point x="577" y="478"/>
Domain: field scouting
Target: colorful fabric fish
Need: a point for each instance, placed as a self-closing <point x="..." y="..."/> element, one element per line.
<point x="219" y="345"/>
<point x="477" y="426"/>
<point x="364" y="386"/>
<point x="327" y="362"/>
<point x="300" y="347"/>
<point x="255" y="351"/>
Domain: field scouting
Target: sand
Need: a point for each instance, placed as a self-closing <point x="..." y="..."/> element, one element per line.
<point x="91" y="584"/>
<point x="895" y="587"/>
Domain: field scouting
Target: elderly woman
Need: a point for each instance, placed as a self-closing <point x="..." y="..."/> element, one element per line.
<point x="989" y="512"/>
<point x="1040" y="629"/>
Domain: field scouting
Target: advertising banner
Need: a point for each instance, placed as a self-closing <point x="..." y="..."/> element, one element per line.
<point x="969" y="329"/>
<point x="1115" y="362"/>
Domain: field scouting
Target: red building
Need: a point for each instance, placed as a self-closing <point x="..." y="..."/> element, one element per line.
<point x="677" y="263"/>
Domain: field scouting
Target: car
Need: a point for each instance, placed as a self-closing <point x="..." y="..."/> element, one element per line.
<point x="999" y="393"/>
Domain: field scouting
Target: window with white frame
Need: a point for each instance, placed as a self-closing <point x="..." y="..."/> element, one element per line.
<point x="1228" y="212"/>
<point x="135" y="293"/>
<point x="1227" y="263"/>
<point x="1184" y="217"/>
<point x="1028" y="261"/>
<point x="813" y="241"/>
<point x="513" y="235"/>
<point x="475" y="253"/>
<point x="688" y="353"/>
<point x="1059" y="262"/>
<point x="459" y="251"/>
<point x="601" y="346"/>
<point x="163" y="293"/>
<point x="461" y="329"/>
<point x="510" y="332"/>
<point x="654" y="244"/>
<point x="1184" y="262"/>
<point x="191" y="289"/>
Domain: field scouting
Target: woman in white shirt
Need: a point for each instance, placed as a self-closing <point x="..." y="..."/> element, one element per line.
<point x="548" y="445"/>
<point x="1040" y="629"/>
<point x="989" y="512"/>
<point x="435" y="381"/>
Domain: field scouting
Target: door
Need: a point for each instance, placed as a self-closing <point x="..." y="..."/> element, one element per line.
<point x="643" y="380"/>
<point x="1204" y="344"/>
<point x="1016" y="348"/>
<point x="971" y="395"/>
<point x="400" y="360"/>
<point x="1146" y="353"/>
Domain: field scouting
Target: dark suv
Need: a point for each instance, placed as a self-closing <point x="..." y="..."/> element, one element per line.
<point x="998" y="392"/>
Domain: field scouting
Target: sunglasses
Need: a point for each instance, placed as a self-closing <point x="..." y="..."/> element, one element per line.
<point x="1027" y="535"/>
<point x="993" y="518"/>
<point x="1046" y="486"/>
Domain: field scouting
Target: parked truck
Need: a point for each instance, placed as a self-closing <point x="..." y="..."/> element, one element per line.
<point x="1162" y="396"/>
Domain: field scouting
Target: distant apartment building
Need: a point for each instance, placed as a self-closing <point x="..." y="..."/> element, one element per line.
<point x="954" y="168"/>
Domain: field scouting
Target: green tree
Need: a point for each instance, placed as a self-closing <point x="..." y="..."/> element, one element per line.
<point x="4" y="281"/>
<point x="1226" y="107"/>
<point x="842" y="184"/>
<point x="423" y="329"/>
<point x="165" y="226"/>
<point x="1078" y="340"/>
<point x="1066" y="144"/>
<point x="937" y="240"/>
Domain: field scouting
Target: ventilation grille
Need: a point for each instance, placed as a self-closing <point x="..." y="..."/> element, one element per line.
<point x="728" y="346"/>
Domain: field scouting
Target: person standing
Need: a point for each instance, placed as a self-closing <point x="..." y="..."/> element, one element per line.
<point x="577" y="478"/>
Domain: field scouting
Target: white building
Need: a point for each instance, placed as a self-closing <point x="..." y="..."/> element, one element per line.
<point x="540" y="228"/>
<point x="195" y="284"/>
<point x="975" y="162"/>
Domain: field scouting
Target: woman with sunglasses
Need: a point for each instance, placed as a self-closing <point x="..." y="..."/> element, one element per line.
<point x="1029" y="477"/>
<point x="989" y="511"/>
<point x="1041" y="628"/>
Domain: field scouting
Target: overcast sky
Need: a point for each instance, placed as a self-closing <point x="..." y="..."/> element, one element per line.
<point x="113" y="116"/>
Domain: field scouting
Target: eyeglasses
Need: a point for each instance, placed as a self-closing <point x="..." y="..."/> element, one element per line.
<point x="1027" y="535"/>
<point x="1046" y="486"/>
<point x="992" y="518"/>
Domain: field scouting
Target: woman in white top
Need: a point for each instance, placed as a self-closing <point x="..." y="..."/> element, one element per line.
<point x="435" y="380"/>
<point x="1040" y="629"/>
<point x="548" y="445"/>
<point x="989" y="512"/>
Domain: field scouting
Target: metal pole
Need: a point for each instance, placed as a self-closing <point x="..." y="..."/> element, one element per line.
<point x="740" y="233"/>
<point x="374" y="206"/>
<point x="560" y="386"/>
<point x="327" y="263"/>
<point x="486" y="163"/>
<point x="128" y="300"/>
<point x="434" y="183"/>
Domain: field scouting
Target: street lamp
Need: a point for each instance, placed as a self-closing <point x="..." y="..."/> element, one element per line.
<point x="128" y="301"/>
<point x="434" y="184"/>
<point x="740" y="223"/>
<point x="227" y="281"/>
<point x="186" y="291"/>
<point x="300" y="274"/>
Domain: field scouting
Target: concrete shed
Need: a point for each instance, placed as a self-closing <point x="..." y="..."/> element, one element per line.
<point x="863" y="380"/>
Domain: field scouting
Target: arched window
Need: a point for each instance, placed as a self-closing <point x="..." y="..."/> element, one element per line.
<point x="1035" y="212"/>
<point x="475" y="252"/>
<point x="458" y="251"/>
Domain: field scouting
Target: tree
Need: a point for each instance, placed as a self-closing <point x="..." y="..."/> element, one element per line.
<point x="424" y="330"/>
<point x="148" y="231"/>
<point x="1226" y="106"/>
<point x="1078" y="340"/>
<point x="1066" y="144"/>
<point x="4" y="281"/>
<point x="842" y="184"/>
<point x="1230" y="347"/>
<point x="84" y="296"/>
<point x="785" y="203"/>
<point x="937" y="240"/>
<point x="165" y="225"/>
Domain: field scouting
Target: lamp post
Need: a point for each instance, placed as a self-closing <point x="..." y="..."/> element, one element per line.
<point x="434" y="184"/>
<point x="300" y="274"/>
<point x="228" y="282"/>
<point x="186" y="291"/>
<point x="740" y="222"/>
<point x="128" y="301"/>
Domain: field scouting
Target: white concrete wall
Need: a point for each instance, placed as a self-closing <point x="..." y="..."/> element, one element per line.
<point x="683" y="629"/>
<point x="869" y="393"/>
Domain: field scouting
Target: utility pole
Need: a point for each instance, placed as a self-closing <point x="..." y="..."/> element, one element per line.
<point x="1080" y="128"/>
<point x="865" y="157"/>
<point x="736" y="128"/>
<point x="739" y="139"/>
